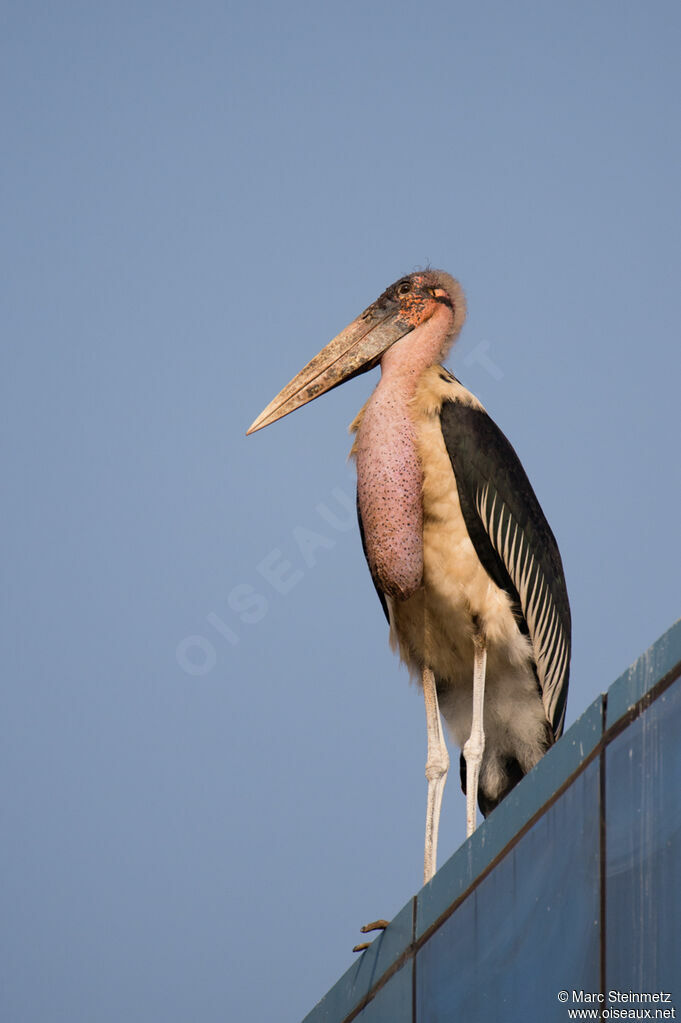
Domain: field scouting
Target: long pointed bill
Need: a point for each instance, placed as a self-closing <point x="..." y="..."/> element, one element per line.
<point x="357" y="349"/>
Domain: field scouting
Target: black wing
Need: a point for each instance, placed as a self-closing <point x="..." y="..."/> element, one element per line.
<point x="379" y="591"/>
<point x="514" y="543"/>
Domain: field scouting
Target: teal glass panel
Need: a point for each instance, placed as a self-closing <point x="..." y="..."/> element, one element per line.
<point x="529" y="930"/>
<point x="494" y="834"/>
<point x="659" y="660"/>
<point x="643" y="843"/>
<point x="393" y="1003"/>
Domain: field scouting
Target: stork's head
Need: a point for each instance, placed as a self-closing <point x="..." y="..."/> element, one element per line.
<point x="429" y="306"/>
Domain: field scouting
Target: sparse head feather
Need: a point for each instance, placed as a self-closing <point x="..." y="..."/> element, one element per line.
<point x="441" y="280"/>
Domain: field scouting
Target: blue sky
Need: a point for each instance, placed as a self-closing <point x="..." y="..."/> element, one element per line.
<point x="212" y="763"/>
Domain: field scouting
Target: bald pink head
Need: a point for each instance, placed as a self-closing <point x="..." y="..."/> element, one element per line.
<point x="434" y="304"/>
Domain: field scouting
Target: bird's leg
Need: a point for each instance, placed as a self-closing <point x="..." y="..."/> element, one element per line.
<point x="475" y="745"/>
<point x="437" y="766"/>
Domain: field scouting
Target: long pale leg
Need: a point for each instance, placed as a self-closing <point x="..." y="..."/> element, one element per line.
<point x="475" y="745"/>
<point x="437" y="766"/>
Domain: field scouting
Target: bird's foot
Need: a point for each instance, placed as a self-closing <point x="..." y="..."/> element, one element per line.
<point x="376" y="925"/>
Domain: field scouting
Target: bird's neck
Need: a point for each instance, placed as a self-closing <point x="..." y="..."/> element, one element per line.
<point x="403" y="364"/>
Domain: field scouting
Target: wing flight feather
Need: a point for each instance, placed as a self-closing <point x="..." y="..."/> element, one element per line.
<point x="513" y="541"/>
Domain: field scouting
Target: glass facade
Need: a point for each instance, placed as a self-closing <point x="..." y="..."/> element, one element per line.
<point x="570" y="890"/>
<point x="497" y="953"/>
<point x="643" y="851"/>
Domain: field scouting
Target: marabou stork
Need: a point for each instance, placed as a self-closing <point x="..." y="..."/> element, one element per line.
<point x="464" y="562"/>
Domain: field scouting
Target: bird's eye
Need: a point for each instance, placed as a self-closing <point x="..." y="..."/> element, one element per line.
<point x="404" y="287"/>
